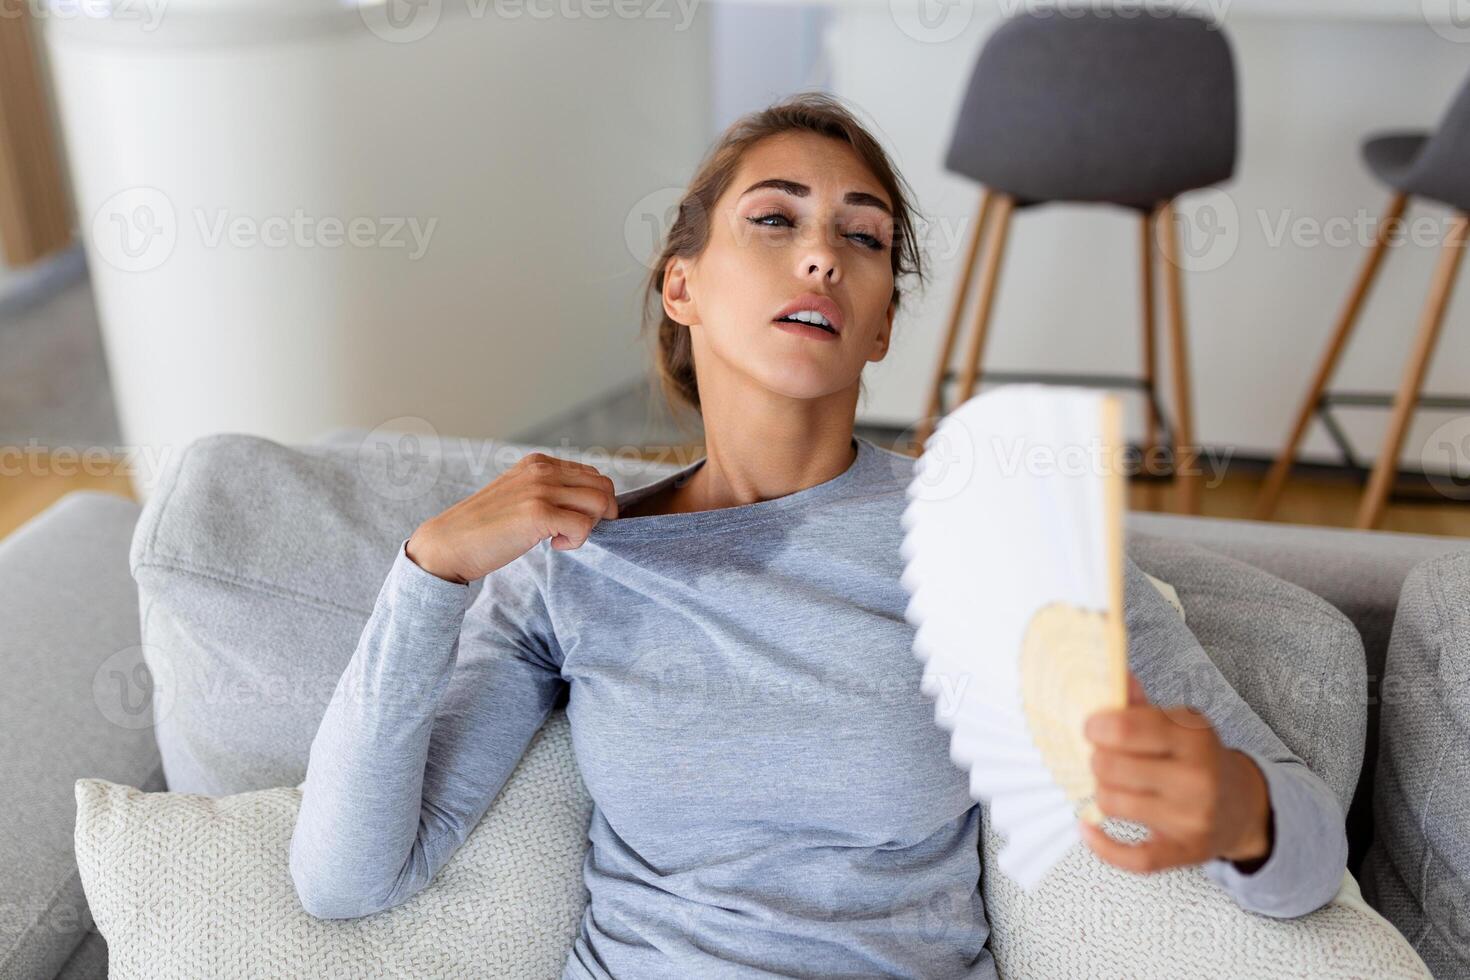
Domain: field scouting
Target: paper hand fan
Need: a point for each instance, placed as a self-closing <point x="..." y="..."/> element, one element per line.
<point x="1013" y="562"/>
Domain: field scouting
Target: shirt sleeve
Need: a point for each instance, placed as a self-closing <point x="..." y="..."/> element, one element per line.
<point x="1309" y="852"/>
<point x="443" y="693"/>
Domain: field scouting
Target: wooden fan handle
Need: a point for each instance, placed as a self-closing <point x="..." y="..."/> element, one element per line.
<point x="1113" y="508"/>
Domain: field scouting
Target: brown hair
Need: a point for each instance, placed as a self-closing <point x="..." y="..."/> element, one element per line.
<point x="815" y="112"/>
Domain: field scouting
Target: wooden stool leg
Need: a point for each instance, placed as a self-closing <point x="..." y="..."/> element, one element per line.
<point x="1185" y="478"/>
<point x="995" y="246"/>
<point x="1281" y="468"/>
<point x="1150" y="358"/>
<point x="962" y="292"/>
<point x="1386" y="467"/>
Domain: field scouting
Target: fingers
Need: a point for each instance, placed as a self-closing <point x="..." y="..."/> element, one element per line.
<point x="1158" y="767"/>
<point x="1156" y="853"/>
<point x="1148" y="752"/>
<point x="1139" y="774"/>
<point x="569" y="472"/>
<point x="542" y="464"/>
<point x="1141" y="728"/>
<point x="570" y="529"/>
<point x="556" y="476"/>
<point x="1158" y="813"/>
<point x="594" y="501"/>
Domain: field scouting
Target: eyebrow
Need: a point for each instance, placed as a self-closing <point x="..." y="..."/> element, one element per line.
<point x="801" y="190"/>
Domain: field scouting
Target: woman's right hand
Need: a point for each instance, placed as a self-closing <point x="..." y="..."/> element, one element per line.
<point x="540" y="496"/>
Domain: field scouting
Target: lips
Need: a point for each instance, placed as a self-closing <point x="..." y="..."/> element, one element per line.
<point x="817" y="303"/>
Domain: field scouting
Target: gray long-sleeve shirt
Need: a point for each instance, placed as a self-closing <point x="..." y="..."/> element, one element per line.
<point x="771" y="793"/>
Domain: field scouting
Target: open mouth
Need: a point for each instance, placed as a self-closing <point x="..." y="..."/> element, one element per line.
<point x="810" y="320"/>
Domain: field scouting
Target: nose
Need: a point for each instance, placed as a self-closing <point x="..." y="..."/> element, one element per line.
<point x="818" y="260"/>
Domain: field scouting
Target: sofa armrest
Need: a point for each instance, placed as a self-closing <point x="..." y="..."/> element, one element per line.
<point x="1359" y="572"/>
<point x="74" y="703"/>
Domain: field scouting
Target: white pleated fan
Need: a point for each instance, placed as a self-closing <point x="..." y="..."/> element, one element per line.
<point x="1013" y="558"/>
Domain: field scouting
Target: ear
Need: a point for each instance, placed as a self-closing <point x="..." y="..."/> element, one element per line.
<point x="880" y="343"/>
<point x="677" y="301"/>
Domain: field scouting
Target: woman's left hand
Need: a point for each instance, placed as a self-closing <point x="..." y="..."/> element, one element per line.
<point x="1166" y="768"/>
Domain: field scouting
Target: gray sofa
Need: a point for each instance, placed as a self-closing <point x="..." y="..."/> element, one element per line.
<point x="78" y="702"/>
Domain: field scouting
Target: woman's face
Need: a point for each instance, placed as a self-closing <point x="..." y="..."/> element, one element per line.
<point x="821" y="226"/>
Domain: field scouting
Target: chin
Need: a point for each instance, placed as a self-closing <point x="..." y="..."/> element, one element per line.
<point x="807" y="381"/>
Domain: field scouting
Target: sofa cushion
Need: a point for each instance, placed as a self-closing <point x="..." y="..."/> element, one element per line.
<point x="257" y="567"/>
<point x="75" y="702"/>
<point x="1295" y="659"/>
<point x="1418" y="869"/>
<point x="506" y="905"/>
<point x="1088" y="919"/>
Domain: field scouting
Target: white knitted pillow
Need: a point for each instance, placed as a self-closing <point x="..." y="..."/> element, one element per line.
<point x="187" y="886"/>
<point x="1088" y="919"/>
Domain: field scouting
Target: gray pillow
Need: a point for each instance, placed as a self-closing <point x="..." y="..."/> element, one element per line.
<point x="1417" y="871"/>
<point x="1293" y="657"/>
<point x="257" y="567"/>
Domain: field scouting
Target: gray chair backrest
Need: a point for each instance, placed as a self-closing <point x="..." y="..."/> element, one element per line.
<point x="1441" y="172"/>
<point x="1130" y="108"/>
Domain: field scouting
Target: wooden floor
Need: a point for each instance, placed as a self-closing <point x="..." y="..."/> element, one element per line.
<point x="1309" y="499"/>
<point x="39" y="483"/>
<point x="1329" y="502"/>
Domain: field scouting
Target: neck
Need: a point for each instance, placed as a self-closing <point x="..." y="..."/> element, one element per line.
<point x="759" y="448"/>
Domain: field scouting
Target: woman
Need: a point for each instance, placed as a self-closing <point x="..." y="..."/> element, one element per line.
<point x="772" y="797"/>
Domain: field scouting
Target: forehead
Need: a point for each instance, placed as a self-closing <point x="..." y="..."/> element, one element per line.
<point x="829" y="166"/>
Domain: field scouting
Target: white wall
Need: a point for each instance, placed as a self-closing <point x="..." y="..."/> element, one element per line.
<point x="762" y="52"/>
<point x="545" y="150"/>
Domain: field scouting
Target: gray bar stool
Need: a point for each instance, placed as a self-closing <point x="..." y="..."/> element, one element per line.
<point x="1434" y="166"/>
<point x="1089" y="106"/>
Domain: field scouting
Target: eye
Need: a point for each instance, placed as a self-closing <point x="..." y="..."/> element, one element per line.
<point x="778" y="219"/>
<point x="761" y="219"/>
